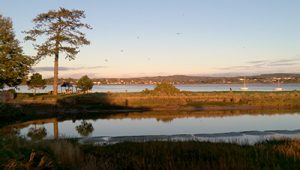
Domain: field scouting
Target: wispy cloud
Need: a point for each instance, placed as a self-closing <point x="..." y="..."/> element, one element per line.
<point x="264" y="65"/>
<point x="257" y="62"/>
<point x="46" y="69"/>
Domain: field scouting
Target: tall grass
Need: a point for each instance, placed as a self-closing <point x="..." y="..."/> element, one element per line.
<point x="66" y="154"/>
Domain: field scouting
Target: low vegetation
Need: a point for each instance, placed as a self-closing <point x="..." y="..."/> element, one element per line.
<point x="163" y="89"/>
<point x="159" y="101"/>
<point x="66" y="154"/>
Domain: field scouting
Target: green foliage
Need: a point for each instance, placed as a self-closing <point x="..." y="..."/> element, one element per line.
<point x="85" y="83"/>
<point x="36" y="82"/>
<point x="62" y="30"/>
<point x="14" y="65"/>
<point x="166" y="88"/>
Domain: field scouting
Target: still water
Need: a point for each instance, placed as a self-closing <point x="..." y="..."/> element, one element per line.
<point x="143" y="124"/>
<point x="185" y="87"/>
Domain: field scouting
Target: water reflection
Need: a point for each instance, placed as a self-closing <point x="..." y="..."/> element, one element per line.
<point x="85" y="128"/>
<point x="170" y="116"/>
<point x="35" y="128"/>
<point x="168" y="123"/>
<point x="37" y="133"/>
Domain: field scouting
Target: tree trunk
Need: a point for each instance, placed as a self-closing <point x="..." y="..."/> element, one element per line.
<point x="55" y="81"/>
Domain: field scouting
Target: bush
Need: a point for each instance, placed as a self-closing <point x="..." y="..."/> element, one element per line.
<point x="166" y="88"/>
<point x="36" y="82"/>
<point x="85" y="83"/>
<point x="146" y="91"/>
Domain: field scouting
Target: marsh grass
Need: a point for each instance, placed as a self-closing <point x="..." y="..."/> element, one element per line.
<point x="67" y="154"/>
<point x="195" y="155"/>
<point x="136" y="100"/>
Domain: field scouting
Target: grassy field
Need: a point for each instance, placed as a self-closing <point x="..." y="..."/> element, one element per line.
<point x="62" y="154"/>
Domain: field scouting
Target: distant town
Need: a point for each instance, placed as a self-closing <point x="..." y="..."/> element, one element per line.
<point x="282" y="78"/>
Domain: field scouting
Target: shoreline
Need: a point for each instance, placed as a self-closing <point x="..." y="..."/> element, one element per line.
<point x="184" y="101"/>
<point x="29" y="107"/>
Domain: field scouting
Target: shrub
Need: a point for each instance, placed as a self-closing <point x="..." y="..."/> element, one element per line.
<point x="85" y="83"/>
<point x="146" y="91"/>
<point x="166" y="88"/>
<point x="36" y="82"/>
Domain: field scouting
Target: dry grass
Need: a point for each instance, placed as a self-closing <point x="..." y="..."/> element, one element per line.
<point x="66" y="154"/>
<point x="289" y="149"/>
<point x="183" y="99"/>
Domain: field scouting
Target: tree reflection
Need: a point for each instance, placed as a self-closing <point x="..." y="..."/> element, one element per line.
<point x="85" y="128"/>
<point x="37" y="133"/>
<point x="165" y="120"/>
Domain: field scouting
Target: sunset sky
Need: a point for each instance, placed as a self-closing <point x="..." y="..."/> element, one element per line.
<point x="166" y="37"/>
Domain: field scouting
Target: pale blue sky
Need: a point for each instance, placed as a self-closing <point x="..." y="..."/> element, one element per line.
<point x="166" y="37"/>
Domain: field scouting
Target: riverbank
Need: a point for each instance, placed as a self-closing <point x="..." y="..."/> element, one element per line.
<point x="182" y="101"/>
<point x="26" y="107"/>
<point x="15" y="152"/>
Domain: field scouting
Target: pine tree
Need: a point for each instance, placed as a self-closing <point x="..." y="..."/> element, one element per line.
<point x="14" y="65"/>
<point x="61" y="31"/>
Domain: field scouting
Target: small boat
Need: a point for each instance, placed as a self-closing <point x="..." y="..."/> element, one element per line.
<point x="244" y="88"/>
<point x="278" y="88"/>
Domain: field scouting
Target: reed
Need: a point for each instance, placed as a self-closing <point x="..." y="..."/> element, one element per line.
<point x="67" y="154"/>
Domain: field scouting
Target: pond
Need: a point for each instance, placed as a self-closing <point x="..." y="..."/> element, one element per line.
<point x="236" y="126"/>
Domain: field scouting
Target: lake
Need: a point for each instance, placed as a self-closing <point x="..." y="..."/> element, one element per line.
<point x="198" y="126"/>
<point x="184" y="87"/>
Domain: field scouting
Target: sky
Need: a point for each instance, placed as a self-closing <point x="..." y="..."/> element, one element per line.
<point x="137" y="38"/>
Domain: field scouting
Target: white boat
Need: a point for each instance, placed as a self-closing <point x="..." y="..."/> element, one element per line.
<point x="244" y="88"/>
<point x="278" y="88"/>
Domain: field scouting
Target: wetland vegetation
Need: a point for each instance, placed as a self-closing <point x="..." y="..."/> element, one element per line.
<point x="67" y="154"/>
